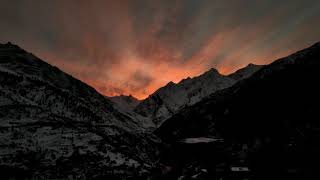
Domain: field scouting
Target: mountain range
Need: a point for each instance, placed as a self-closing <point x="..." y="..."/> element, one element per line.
<point x="267" y="123"/>
<point x="260" y="122"/>
<point x="168" y="100"/>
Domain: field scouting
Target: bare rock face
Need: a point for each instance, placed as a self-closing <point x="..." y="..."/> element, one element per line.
<point x="53" y="126"/>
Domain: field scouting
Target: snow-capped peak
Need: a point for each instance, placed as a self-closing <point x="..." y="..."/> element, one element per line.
<point x="169" y="99"/>
<point x="125" y="103"/>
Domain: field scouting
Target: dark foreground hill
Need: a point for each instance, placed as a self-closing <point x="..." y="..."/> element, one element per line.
<point x="263" y="127"/>
<point x="53" y="126"/>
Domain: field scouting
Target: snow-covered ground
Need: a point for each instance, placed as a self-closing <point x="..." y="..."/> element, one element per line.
<point x="200" y="140"/>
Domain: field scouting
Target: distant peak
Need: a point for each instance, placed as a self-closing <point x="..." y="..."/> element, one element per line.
<point x="245" y="72"/>
<point x="212" y="71"/>
<point x="168" y="85"/>
<point x="121" y="96"/>
<point x="171" y="83"/>
<point x="128" y="96"/>
<point x="187" y="78"/>
<point x="9" y="45"/>
<point x="133" y="97"/>
<point x="184" y="80"/>
<point x="251" y="64"/>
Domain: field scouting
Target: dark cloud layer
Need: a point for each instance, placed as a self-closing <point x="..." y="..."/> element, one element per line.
<point x="136" y="46"/>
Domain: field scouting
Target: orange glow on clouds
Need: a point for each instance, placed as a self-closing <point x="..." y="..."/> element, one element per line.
<point x="135" y="47"/>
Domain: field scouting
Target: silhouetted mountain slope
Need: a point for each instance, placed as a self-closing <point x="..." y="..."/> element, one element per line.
<point x="169" y="99"/>
<point x="245" y="72"/>
<point x="269" y="122"/>
<point x="53" y="126"/>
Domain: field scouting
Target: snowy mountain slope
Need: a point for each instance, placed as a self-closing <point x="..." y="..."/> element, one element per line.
<point x="245" y="72"/>
<point x="269" y="123"/>
<point x="302" y="65"/>
<point x="171" y="98"/>
<point x="124" y="103"/>
<point x="49" y="121"/>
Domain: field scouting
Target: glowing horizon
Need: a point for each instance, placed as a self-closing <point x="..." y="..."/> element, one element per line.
<point x="135" y="47"/>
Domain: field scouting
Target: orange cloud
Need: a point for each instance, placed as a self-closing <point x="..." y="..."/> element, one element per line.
<point x="135" y="47"/>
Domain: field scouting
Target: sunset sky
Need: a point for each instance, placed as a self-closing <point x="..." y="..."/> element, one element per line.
<point x="136" y="46"/>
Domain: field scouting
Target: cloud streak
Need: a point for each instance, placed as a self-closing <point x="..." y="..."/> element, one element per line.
<point x="136" y="46"/>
